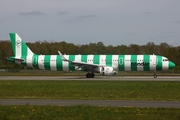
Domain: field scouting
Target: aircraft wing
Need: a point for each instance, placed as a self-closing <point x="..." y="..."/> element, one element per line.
<point x="83" y="65"/>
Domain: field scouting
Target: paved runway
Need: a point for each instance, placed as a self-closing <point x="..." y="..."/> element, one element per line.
<point x="116" y="103"/>
<point x="102" y="78"/>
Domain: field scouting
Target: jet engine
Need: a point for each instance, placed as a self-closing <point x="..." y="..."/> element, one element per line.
<point x="107" y="71"/>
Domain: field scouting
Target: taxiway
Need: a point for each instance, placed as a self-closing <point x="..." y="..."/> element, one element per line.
<point x="115" y="103"/>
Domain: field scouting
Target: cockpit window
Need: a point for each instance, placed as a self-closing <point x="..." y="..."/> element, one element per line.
<point x="165" y="59"/>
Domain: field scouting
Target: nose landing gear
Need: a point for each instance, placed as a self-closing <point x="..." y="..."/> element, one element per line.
<point x="155" y="76"/>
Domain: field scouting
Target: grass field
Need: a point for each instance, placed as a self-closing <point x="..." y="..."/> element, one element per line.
<point x="28" y="112"/>
<point x="90" y="90"/>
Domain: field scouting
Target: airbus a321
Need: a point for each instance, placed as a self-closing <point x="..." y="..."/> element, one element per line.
<point x="103" y="64"/>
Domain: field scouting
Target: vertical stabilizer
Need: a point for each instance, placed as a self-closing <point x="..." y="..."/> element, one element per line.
<point x="20" y="49"/>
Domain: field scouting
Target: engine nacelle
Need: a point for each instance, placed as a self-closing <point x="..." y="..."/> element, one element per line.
<point x="107" y="71"/>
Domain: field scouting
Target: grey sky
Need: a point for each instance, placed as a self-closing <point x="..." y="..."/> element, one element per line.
<point x="113" y="22"/>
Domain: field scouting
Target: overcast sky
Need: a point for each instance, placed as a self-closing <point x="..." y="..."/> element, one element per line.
<point x="112" y="22"/>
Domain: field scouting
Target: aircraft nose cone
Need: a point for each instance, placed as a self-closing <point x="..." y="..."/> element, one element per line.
<point x="171" y="65"/>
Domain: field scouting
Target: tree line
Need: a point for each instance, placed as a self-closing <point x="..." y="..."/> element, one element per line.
<point x="44" y="47"/>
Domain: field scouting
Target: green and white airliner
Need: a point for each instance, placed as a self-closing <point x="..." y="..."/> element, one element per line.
<point x="103" y="64"/>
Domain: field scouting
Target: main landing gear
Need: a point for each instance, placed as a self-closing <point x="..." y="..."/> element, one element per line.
<point x="155" y="76"/>
<point x="90" y="75"/>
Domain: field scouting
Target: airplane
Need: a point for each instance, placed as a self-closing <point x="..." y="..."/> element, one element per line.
<point x="103" y="64"/>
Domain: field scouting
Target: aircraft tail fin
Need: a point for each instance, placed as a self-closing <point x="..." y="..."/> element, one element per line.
<point x="20" y="48"/>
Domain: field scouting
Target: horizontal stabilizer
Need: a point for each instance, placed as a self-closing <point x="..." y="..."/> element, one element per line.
<point x="15" y="59"/>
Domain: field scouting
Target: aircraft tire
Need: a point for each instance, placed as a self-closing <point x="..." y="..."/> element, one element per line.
<point x="90" y="75"/>
<point x="155" y="76"/>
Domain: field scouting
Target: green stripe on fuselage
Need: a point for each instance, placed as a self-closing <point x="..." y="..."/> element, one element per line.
<point x="133" y="62"/>
<point x="47" y="62"/>
<point x="121" y="63"/>
<point x="71" y="58"/>
<point x="146" y="60"/>
<point x="109" y="60"/>
<point x="158" y="62"/>
<point x="59" y="66"/>
<point x="96" y="59"/>
<point x="84" y="58"/>
<point x="35" y="61"/>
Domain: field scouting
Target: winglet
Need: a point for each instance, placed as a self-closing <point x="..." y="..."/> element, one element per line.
<point x="62" y="56"/>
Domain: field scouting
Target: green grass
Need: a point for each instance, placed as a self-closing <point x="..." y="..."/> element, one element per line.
<point x="27" y="112"/>
<point x="90" y="90"/>
<point x="96" y="90"/>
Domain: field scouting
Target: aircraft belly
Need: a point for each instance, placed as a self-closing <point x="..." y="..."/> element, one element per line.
<point x="140" y="68"/>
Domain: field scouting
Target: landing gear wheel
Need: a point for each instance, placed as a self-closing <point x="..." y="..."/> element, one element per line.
<point x="155" y="76"/>
<point x="90" y="75"/>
